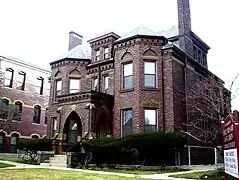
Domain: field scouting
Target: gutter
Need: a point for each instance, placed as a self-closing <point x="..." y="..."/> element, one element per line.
<point x="163" y="93"/>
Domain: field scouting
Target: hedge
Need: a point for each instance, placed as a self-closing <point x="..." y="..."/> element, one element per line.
<point x="35" y="144"/>
<point x="157" y="147"/>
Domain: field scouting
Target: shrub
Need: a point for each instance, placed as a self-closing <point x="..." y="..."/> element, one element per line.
<point x="158" y="146"/>
<point x="32" y="146"/>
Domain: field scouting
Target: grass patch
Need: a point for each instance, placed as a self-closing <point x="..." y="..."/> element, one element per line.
<point x="140" y="172"/>
<point x="3" y="165"/>
<point x="199" y="175"/>
<point x="19" y="160"/>
<point x="50" y="174"/>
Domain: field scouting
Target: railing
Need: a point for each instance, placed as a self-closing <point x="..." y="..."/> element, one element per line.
<point x="81" y="96"/>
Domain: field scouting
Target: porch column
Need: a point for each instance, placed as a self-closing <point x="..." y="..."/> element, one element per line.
<point x="90" y="106"/>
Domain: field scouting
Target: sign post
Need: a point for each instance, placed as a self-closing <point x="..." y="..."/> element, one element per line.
<point x="231" y="144"/>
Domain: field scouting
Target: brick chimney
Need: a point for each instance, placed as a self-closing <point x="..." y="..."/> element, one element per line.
<point x="74" y="40"/>
<point x="184" y="25"/>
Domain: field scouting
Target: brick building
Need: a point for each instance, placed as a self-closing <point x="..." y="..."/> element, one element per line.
<point x="24" y="93"/>
<point x="116" y="86"/>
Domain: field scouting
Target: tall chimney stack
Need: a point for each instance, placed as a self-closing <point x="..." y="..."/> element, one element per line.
<point x="74" y="40"/>
<point x="184" y="25"/>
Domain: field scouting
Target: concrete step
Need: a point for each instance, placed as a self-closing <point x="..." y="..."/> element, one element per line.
<point x="45" y="164"/>
<point x="58" y="165"/>
<point x="58" y="160"/>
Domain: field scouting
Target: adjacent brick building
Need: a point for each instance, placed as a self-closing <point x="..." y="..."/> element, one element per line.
<point x="24" y="93"/>
<point x="116" y="86"/>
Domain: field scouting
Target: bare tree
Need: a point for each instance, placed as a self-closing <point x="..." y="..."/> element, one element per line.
<point x="207" y="103"/>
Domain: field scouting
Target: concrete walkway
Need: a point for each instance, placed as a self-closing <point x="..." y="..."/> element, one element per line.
<point x="152" y="176"/>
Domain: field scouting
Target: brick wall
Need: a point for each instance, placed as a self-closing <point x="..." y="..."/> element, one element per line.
<point x="28" y="98"/>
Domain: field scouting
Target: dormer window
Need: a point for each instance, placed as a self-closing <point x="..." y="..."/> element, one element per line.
<point x="106" y="53"/>
<point x="97" y="55"/>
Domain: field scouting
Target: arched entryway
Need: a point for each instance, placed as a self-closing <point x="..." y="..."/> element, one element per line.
<point x="103" y="126"/>
<point x="72" y="131"/>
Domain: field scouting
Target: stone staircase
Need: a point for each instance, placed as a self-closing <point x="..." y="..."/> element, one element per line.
<point x="56" y="161"/>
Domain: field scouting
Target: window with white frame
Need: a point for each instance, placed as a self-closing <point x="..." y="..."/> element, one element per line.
<point x="106" y="84"/>
<point x="106" y="53"/>
<point x="97" y="55"/>
<point x="74" y="85"/>
<point x="58" y="87"/>
<point x="95" y="84"/>
<point x="128" y="76"/>
<point x="149" y="74"/>
<point x="150" y="120"/>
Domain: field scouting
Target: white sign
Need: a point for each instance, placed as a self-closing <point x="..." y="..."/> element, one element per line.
<point x="230" y="161"/>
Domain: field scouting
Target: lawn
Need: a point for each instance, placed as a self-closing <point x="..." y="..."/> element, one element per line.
<point x="141" y="172"/>
<point x="48" y="174"/>
<point x="19" y="160"/>
<point x="197" y="175"/>
<point x="3" y="165"/>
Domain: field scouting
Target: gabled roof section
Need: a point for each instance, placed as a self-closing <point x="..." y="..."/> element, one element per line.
<point x="140" y="30"/>
<point x="169" y="32"/>
<point x="82" y="51"/>
<point x="104" y="34"/>
<point x="24" y="63"/>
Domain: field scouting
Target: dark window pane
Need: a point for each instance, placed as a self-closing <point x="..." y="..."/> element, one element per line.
<point x="4" y="108"/>
<point x="17" y="111"/>
<point x="148" y="128"/>
<point x="128" y="82"/>
<point x="149" y="81"/>
<point x="127" y="122"/>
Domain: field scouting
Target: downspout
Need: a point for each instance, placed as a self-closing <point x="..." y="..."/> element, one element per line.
<point x="163" y="92"/>
<point x="186" y="109"/>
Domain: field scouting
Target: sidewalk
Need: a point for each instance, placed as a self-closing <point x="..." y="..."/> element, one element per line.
<point x="152" y="176"/>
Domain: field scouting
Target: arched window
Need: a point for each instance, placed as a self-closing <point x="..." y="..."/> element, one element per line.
<point x="14" y="140"/>
<point x="8" y="77"/>
<point x="17" y="111"/>
<point x="4" y="108"/>
<point x="72" y="135"/>
<point x="2" y="138"/>
<point x="37" y="114"/>
<point x="21" y="78"/>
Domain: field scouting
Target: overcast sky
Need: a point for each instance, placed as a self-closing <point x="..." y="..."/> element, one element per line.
<point x="37" y="31"/>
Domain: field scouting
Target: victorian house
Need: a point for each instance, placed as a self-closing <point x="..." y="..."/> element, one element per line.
<point x="113" y="86"/>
